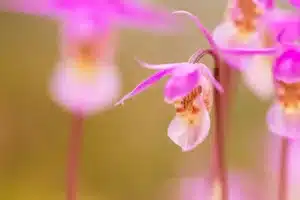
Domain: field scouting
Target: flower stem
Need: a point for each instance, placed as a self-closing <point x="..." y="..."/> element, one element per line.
<point x="219" y="165"/>
<point x="283" y="170"/>
<point x="73" y="154"/>
<point x="218" y="160"/>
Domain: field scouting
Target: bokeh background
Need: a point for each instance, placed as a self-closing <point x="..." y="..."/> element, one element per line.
<point x="126" y="154"/>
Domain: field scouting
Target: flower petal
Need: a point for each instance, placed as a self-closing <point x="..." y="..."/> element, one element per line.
<point x="258" y="77"/>
<point x="227" y="36"/>
<point x="184" y="68"/>
<point x="189" y="136"/>
<point x="145" y="84"/>
<point x="185" y="78"/>
<point x="249" y="51"/>
<point x="160" y="66"/>
<point x="218" y="45"/>
<point x="132" y="13"/>
<point x="180" y="86"/>
<point x="283" y="124"/>
<point x="204" y="31"/>
<point x="85" y="91"/>
<point x="34" y="7"/>
<point x="277" y="20"/>
<point x="286" y="67"/>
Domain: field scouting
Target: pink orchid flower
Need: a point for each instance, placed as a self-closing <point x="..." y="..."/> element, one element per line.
<point x="283" y="118"/>
<point x="86" y="78"/>
<point x="284" y="115"/>
<point x="189" y="89"/>
<point x="273" y="167"/>
<point x="240" y="188"/>
<point x="240" y="30"/>
<point x="256" y="24"/>
<point x="270" y="25"/>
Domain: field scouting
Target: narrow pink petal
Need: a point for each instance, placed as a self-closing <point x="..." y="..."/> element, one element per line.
<point x="184" y="68"/>
<point x="217" y="46"/>
<point x="132" y="13"/>
<point x="205" y="32"/>
<point x="145" y="84"/>
<point x="179" y="86"/>
<point x="160" y="66"/>
<point x="283" y="124"/>
<point x="227" y="36"/>
<point x="258" y="77"/>
<point x="33" y="7"/>
<point x="85" y="91"/>
<point x="249" y="51"/>
<point x="217" y="41"/>
<point x="189" y="136"/>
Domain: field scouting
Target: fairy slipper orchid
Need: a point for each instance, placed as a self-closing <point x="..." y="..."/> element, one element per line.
<point x="284" y="115"/>
<point x="190" y="90"/>
<point x="238" y="29"/>
<point x="86" y="78"/>
<point x="239" y="53"/>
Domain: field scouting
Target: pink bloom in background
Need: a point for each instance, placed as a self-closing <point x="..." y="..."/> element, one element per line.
<point x="86" y="79"/>
<point x="293" y="166"/>
<point x="295" y="3"/>
<point x="190" y="90"/>
<point x="240" y="30"/>
<point x="240" y="188"/>
<point x="277" y="20"/>
<point x="284" y="115"/>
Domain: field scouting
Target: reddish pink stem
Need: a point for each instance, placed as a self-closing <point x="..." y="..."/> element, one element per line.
<point x="219" y="164"/>
<point x="218" y="151"/>
<point x="73" y="154"/>
<point x="283" y="170"/>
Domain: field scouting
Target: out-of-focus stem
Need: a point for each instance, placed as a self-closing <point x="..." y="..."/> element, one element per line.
<point x="73" y="155"/>
<point x="283" y="170"/>
<point x="218" y="146"/>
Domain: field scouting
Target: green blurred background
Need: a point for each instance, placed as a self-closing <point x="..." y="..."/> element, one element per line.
<point x="126" y="154"/>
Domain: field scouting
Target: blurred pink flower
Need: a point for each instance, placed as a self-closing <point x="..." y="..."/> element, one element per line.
<point x="284" y="115"/>
<point x="189" y="89"/>
<point x="86" y="79"/>
<point x="240" y="188"/>
<point x="240" y="30"/>
<point x="119" y="12"/>
<point x="295" y="3"/>
<point x="277" y="20"/>
<point x="273" y="167"/>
